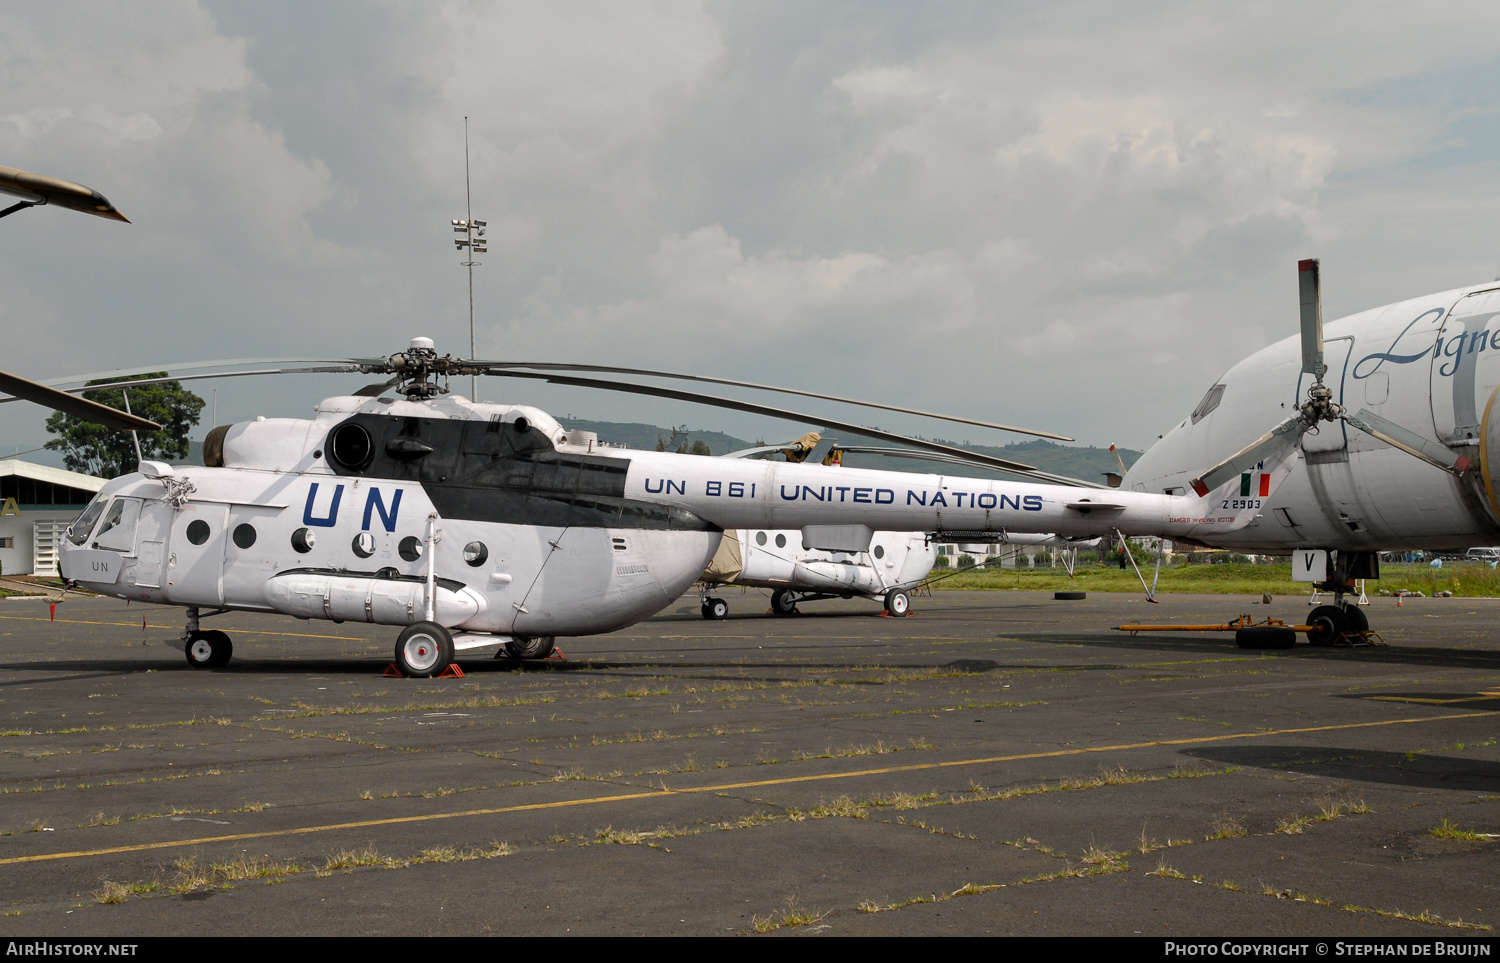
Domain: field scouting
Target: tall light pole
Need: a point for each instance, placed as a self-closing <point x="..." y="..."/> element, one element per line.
<point x="473" y="239"/>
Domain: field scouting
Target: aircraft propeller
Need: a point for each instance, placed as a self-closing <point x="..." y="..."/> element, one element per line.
<point x="1320" y="408"/>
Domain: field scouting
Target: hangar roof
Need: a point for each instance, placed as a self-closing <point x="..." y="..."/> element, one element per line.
<point x="46" y="473"/>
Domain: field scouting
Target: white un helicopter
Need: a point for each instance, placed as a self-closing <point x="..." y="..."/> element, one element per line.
<point x="475" y="525"/>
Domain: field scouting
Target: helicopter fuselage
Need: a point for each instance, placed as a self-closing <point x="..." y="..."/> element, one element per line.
<point x="495" y="519"/>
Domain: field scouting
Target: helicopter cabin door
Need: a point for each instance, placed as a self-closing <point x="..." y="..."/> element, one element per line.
<point x="151" y="542"/>
<point x="195" y="559"/>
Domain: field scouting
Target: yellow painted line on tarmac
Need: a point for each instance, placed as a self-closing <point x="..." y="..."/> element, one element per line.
<point x="1476" y="697"/>
<point x="131" y="625"/>
<point x="657" y="793"/>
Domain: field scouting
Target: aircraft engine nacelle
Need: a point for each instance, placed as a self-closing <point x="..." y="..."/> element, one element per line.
<point x="348" y="598"/>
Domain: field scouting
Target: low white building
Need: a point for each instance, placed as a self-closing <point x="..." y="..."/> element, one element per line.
<point x="37" y="503"/>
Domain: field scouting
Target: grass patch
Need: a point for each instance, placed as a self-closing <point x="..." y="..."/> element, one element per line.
<point x="1448" y="829"/>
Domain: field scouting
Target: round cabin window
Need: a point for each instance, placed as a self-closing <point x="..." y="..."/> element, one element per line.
<point x="303" y="540"/>
<point x="760" y="538"/>
<point x="880" y="551"/>
<point x="410" y="548"/>
<point x="781" y="541"/>
<point x="244" y="535"/>
<point x="197" y="531"/>
<point x="364" y="545"/>
<point x="476" y="554"/>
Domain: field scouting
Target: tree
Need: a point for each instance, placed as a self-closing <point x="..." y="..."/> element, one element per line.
<point x="108" y="453"/>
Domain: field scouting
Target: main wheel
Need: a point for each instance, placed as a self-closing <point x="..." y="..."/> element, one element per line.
<point x="716" y="610"/>
<point x="223" y="649"/>
<point x="783" y="602"/>
<point x="423" y="650"/>
<point x="200" y="653"/>
<point x="535" y="648"/>
<point x="208" y="650"/>
<point x="1329" y="625"/>
<point x="1359" y="623"/>
<point x="897" y="603"/>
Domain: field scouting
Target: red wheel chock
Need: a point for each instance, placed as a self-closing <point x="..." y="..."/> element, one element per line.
<point x="452" y="672"/>
<point x="557" y="654"/>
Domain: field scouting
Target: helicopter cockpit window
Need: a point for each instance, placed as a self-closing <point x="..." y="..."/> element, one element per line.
<point x="117" y="532"/>
<point x="78" y="532"/>
<point x="1208" y="404"/>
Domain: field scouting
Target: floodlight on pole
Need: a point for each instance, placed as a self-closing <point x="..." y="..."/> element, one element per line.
<point x="472" y="237"/>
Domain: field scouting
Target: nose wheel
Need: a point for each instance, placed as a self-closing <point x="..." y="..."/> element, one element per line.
<point x="715" y="610"/>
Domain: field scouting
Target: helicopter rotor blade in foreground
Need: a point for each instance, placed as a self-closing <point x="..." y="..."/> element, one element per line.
<point x="38" y="190"/>
<point x="73" y="405"/>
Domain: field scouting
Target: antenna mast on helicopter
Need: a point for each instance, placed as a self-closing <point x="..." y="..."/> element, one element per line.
<point x="473" y="239"/>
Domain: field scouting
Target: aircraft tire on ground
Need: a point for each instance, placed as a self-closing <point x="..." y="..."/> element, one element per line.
<point x="897" y="603"/>
<point x="1329" y="625"/>
<point x="423" y="650"/>
<point x="783" y="602"/>
<point x="200" y="651"/>
<point x="223" y="649"/>
<point x="1265" y="637"/>
<point x="715" y="610"/>
<point x="1358" y="621"/>
<point x="538" y="647"/>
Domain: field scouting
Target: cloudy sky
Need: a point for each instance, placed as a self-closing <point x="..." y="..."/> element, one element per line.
<point x="1067" y="215"/>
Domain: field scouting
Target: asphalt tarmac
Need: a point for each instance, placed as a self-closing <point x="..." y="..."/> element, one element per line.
<point x="999" y="763"/>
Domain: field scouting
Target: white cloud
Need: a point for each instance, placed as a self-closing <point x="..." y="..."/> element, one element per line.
<point x="1073" y="215"/>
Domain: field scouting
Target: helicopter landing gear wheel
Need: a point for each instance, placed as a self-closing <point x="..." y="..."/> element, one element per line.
<point x="423" y="650"/>
<point x="783" y="602"/>
<point x="535" y="648"/>
<point x="209" y="650"/>
<point x="715" y="610"/>
<point x="897" y="603"/>
<point x="1329" y="624"/>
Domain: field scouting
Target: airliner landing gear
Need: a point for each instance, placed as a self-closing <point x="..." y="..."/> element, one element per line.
<point x="1343" y="621"/>
<point x="423" y="650"/>
<point x="715" y="610"/>
<point x="205" y="649"/>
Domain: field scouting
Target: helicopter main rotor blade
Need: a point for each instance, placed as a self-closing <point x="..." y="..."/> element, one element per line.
<point x="73" y="405"/>
<point x="141" y="382"/>
<point x="782" y="413"/>
<point x="1286" y="433"/>
<point x="1408" y="441"/>
<point x="705" y="379"/>
<point x="952" y="460"/>
<point x="1310" y="289"/>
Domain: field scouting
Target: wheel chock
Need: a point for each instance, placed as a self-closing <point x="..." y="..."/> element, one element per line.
<point x="556" y="655"/>
<point x="886" y="615"/>
<point x="391" y="672"/>
<point x="452" y="672"/>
